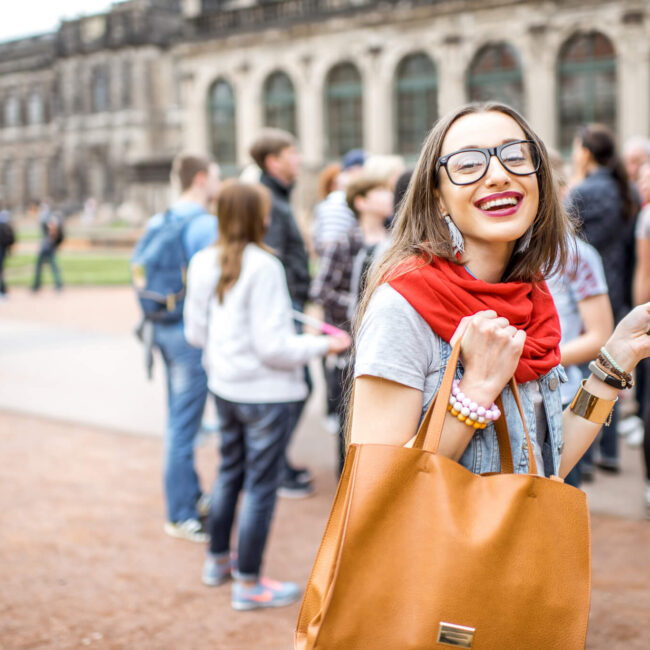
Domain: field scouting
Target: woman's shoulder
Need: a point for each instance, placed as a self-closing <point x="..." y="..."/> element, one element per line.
<point x="205" y="257"/>
<point x="389" y="314"/>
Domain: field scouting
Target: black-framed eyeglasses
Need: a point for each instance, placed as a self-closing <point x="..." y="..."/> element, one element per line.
<point x="468" y="166"/>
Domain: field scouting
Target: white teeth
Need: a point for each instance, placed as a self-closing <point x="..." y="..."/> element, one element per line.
<point x="499" y="203"/>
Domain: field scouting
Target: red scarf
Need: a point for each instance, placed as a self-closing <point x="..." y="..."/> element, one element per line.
<point x="444" y="293"/>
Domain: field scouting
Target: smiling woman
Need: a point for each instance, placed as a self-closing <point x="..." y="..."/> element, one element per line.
<point x="458" y="309"/>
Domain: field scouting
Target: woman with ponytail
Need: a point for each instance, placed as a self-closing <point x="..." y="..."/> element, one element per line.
<point x="605" y="207"/>
<point x="238" y="310"/>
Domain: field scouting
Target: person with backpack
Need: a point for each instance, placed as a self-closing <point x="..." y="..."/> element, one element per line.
<point x="238" y="310"/>
<point x="7" y="239"/>
<point x="51" y="224"/>
<point x="159" y="265"/>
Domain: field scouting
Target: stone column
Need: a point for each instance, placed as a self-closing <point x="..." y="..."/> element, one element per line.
<point x="540" y="86"/>
<point x="248" y="112"/>
<point x="377" y="129"/>
<point x="310" y="115"/>
<point x="451" y="74"/>
<point x="633" y="92"/>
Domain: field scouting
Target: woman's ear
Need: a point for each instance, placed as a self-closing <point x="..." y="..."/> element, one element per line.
<point x="440" y="203"/>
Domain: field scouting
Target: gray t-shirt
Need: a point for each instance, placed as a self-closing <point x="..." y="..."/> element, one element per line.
<point x="394" y="342"/>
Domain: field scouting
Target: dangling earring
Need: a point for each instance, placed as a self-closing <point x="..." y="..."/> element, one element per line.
<point x="524" y="242"/>
<point x="457" y="241"/>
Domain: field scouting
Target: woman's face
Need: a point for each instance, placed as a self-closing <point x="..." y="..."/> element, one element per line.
<point x="499" y="207"/>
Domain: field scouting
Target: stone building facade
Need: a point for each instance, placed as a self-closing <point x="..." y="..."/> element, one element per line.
<point x="122" y="92"/>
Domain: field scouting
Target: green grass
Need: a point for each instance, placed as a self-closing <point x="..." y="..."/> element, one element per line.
<point x="99" y="269"/>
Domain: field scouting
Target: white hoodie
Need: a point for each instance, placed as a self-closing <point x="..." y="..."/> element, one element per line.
<point x="252" y="353"/>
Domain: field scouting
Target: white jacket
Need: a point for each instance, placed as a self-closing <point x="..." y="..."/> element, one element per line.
<point x="252" y="353"/>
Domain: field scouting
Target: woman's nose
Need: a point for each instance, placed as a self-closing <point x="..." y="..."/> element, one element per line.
<point x="496" y="174"/>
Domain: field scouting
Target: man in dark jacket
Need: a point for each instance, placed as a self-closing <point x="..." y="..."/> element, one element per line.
<point x="276" y="154"/>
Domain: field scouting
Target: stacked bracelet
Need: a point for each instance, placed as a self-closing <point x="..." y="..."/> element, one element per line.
<point x="607" y="365"/>
<point x="470" y="412"/>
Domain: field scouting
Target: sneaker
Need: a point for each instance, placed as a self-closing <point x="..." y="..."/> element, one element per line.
<point x="266" y="593"/>
<point x="296" y="488"/>
<point x="628" y="425"/>
<point x="609" y="465"/>
<point x="636" y="436"/>
<point x="190" y="529"/>
<point x="214" y="572"/>
<point x="331" y="424"/>
<point x="203" y="506"/>
<point x="300" y="474"/>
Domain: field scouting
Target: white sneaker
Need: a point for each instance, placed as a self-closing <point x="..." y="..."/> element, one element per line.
<point x="190" y="529"/>
<point x="628" y="425"/>
<point x="331" y="424"/>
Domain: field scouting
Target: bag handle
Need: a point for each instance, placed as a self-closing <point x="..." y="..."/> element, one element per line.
<point x="430" y="431"/>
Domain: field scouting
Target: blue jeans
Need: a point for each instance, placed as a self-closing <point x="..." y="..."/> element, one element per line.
<point x="187" y="389"/>
<point x="253" y="441"/>
<point x="47" y="254"/>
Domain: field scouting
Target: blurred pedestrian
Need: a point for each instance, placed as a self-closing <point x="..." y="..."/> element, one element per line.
<point x="371" y="201"/>
<point x="604" y="202"/>
<point x="52" y="235"/>
<point x="642" y="295"/>
<point x="7" y="239"/>
<point x="171" y="239"/>
<point x="333" y="218"/>
<point x="276" y="154"/>
<point x="636" y="152"/>
<point x="238" y="309"/>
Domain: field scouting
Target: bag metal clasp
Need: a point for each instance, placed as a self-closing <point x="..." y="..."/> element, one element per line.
<point x="457" y="636"/>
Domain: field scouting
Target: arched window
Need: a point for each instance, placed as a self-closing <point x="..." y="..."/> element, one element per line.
<point x="280" y="102"/>
<point x="343" y="98"/>
<point x="223" y="126"/>
<point x="416" y="102"/>
<point x="100" y="89"/>
<point x="586" y="84"/>
<point x="495" y="75"/>
<point x="12" y="111"/>
<point x="35" y="113"/>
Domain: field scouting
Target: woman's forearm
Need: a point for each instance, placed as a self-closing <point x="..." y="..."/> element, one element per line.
<point x="579" y="432"/>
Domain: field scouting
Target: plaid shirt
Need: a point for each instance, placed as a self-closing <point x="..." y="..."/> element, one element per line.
<point x="331" y="286"/>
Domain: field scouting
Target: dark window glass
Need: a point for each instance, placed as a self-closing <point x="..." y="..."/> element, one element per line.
<point x="586" y="85"/>
<point x="127" y="84"/>
<point x="100" y="87"/>
<point x="495" y="75"/>
<point x="280" y="102"/>
<point x="416" y="102"/>
<point x="223" y="126"/>
<point x="343" y="104"/>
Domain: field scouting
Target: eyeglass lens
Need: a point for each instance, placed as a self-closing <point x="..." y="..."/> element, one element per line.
<point x="519" y="158"/>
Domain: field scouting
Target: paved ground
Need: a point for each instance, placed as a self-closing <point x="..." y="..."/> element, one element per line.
<point x="83" y="560"/>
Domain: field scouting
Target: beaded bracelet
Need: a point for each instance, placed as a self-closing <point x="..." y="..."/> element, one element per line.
<point x="468" y="411"/>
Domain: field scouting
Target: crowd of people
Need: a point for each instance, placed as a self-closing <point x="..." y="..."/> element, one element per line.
<point x="240" y="334"/>
<point x="400" y="263"/>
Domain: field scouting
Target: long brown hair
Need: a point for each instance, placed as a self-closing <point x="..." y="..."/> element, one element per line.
<point x="420" y="229"/>
<point x="242" y="209"/>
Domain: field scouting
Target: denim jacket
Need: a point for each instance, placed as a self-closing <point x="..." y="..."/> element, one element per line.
<point x="482" y="453"/>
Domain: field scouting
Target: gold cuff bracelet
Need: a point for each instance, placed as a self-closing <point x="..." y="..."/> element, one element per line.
<point x="592" y="408"/>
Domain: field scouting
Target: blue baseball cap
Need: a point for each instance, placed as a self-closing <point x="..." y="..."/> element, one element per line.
<point x="354" y="158"/>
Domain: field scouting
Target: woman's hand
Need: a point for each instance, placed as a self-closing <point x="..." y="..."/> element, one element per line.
<point x="339" y="343"/>
<point x="630" y="341"/>
<point x="490" y="352"/>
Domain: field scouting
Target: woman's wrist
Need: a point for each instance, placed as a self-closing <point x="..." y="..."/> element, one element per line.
<point x="482" y="392"/>
<point x="622" y="353"/>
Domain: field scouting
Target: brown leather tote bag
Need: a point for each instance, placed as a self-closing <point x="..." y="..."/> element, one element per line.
<point x="421" y="553"/>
